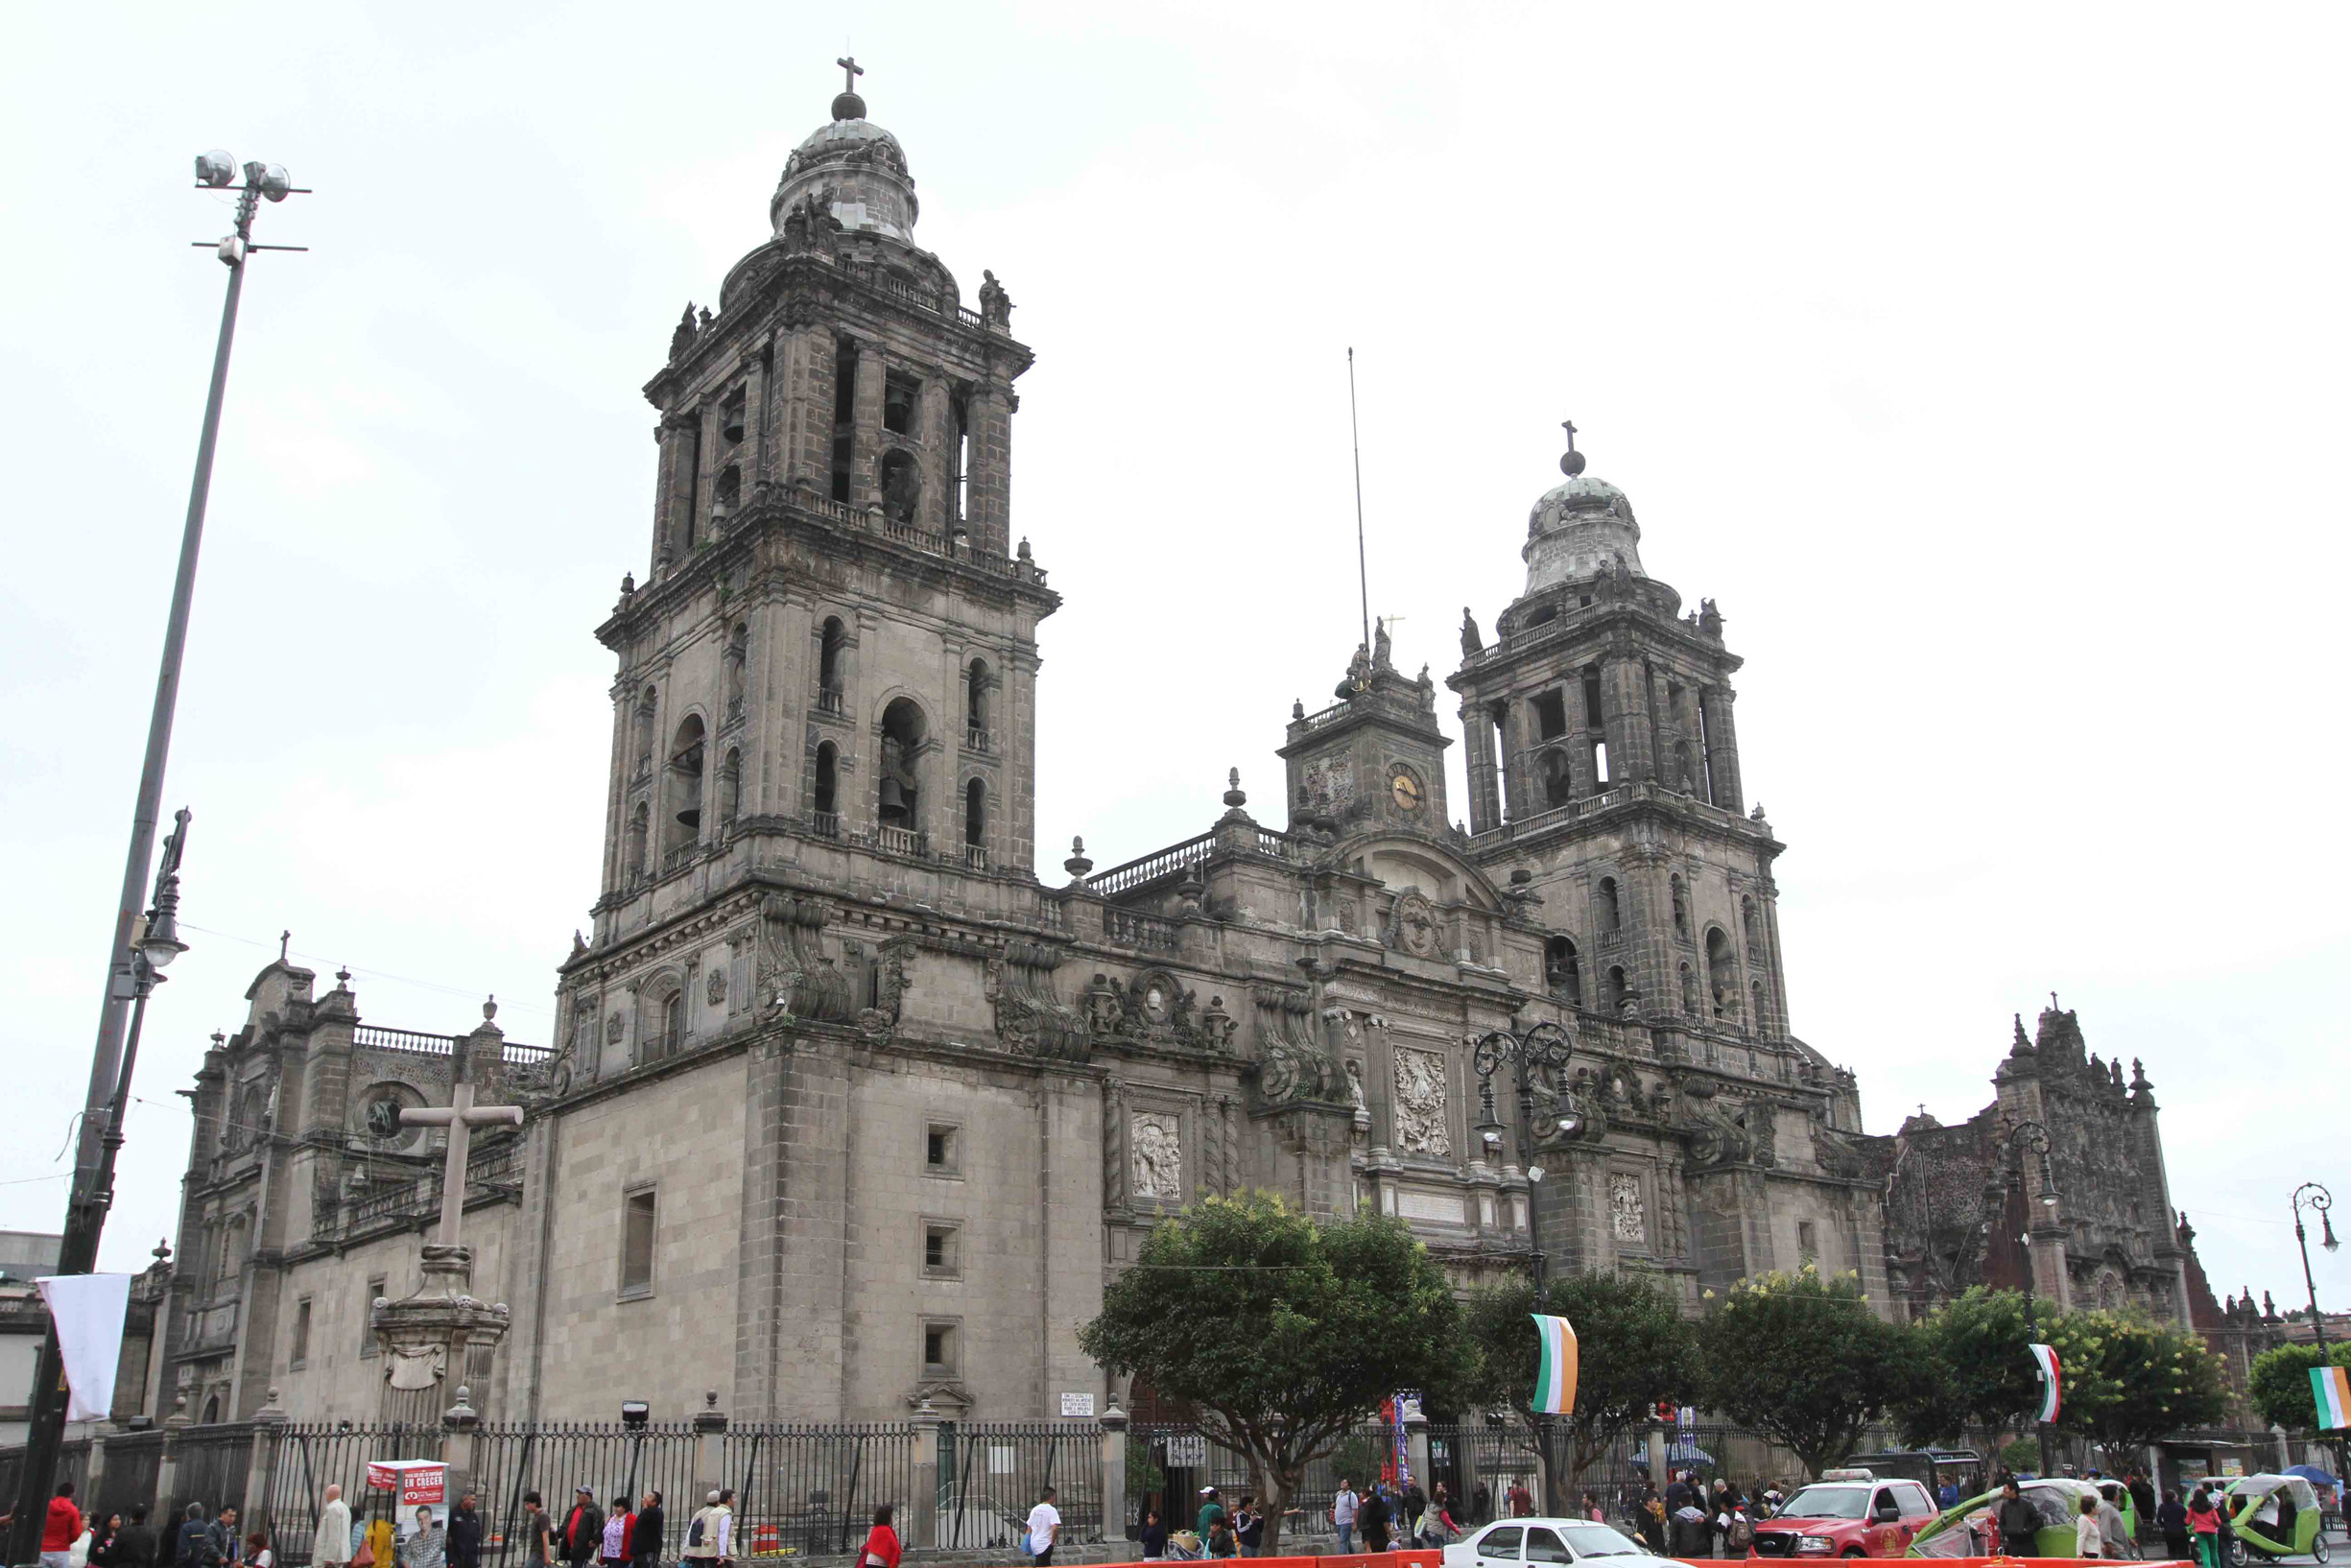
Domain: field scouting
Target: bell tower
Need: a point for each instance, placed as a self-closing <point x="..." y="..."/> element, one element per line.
<point x="1603" y="758"/>
<point x="826" y="676"/>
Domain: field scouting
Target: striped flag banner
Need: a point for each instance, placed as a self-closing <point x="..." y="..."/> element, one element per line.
<point x="1555" y="1380"/>
<point x="2332" y="1390"/>
<point x="2045" y="1356"/>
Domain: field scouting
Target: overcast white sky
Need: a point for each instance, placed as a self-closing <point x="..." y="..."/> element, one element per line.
<point x="1986" y="363"/>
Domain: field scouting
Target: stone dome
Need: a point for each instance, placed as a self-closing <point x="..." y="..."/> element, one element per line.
<point x="1580" y="528"/>
<point x="859" y="168"/>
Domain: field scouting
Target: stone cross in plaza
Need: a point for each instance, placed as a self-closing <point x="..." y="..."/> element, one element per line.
<point x="461" y="1116"/>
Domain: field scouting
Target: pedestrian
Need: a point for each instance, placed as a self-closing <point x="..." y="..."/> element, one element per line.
<point x="1044" y="1528"/>
<point x="1343" y="1516"/>
<point x="616" y="1547"/>
<point x="61" y="1528"/>
<point x="1248" y="1526"/>
<point x="726" y="1524"/>
<point x="2141" y="1496"/>
<point x="1480" y="1504"/>
<point x="1374" y="1517"/>
<point x="1413" y="1517"/>
<point x="257" y="1553"/>
<point x="1443" y="1526"/>
<point x="2171" y="1518"/>
<point x="583" y="1528"/>
<point x="2110" y="1525"/>
<point x="2016" y="1521"/>
<point x="702" y="1532"/>
<point x="1221" y="1541"/>
<point x="1520" y="1500"/>
<point x="1153" y="1536"/>
<point x="1654" y="1522"/>
<point x="429" y="1546"/>
<point x="537" y="1533"/>
<point x="135" y="1546"/>
<point x="104" y="1534"/>
<point x="226" y="1544"/>
<point x="2089" y="1541"/>
<point x="882" y="1546"/>
<point x="191" y="1547"/>
<point x="644" y="1547"/>
<point x="466" y="1532"/>
<point x="332" y="1545"/>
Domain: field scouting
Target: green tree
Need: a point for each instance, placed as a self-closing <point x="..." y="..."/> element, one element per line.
<point x="1632" y="1349"/>
<point x="1281" y="1331"/>
<point x="1805" y="1359"/>
<point x="2128" y="1380"/>
<point x="2279" y="1384"/>
<point x="1975" y="1349"/>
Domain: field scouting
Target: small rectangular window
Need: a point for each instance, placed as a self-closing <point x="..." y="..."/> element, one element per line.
<point x="300" y="1353"/>
<point x="942" y="1152"/>
<point x="1807" y="1242"/>
<point x="941" y="1250"/>
<point x="366" y="1315"/>
<point x="638" y="1218"/>
<point x="937" y="1349"/>
<point x="1591" y="696"/>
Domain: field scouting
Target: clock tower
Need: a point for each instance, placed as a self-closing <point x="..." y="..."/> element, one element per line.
<point x="1376" y="755"/>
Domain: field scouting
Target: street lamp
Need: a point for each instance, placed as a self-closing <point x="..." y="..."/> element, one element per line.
<point x="1542" y="1047"/>
<point x="215" y="171"/>
<point x="2317" y="1199"/>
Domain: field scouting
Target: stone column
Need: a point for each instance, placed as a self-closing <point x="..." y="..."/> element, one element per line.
<point x="1722" y="750"/>
<point x="935" y="431"/>
<point x="457" y="1424"/>
<point x="1416" y="1446"/>
<point x="426" y="1337"/>
<point x="922" y="1508"/>
<point x="755" y="463"/>
<point x="261" y="1466"/>
<point x="991" y="488"/>
<point x="167" y="1469"/>
<point x="1113" y="1424"/>
<point x="866" y="451"/>
<point x="680" y="460"/>
<point x="1625" y="711"/>
<point x="1484" y="805"/>
<point x="710" y="1447"/>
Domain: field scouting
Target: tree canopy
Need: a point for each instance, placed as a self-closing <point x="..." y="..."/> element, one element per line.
<point x="1980" y="1368"/>
<point x="1804" y="1359"/>
<point x="2130" y="1380"/>
<point x="2279" y="1384"/>
<point x="1633" y="1350"/>
<point x="1281" y="1330"/>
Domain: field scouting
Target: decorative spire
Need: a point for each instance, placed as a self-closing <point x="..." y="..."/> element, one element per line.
<point x="2022" y="1046"/>
<point x="849" y="106"/>
<point x="1234" y="796"/>
<point x="1570" y="462"/>
<point x="283" y="938"/>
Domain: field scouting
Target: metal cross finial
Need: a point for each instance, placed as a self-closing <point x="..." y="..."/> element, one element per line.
<point x="283" y="937"/>
<point x="848" y="64"/>
<point x="1569" y="425"/>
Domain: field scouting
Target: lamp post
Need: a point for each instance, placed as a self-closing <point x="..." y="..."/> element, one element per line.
<point x="1544" y="1047"/>
<point x="2033" y="1134"/>
<point x="154" y="943"/>
<point x="2318" y="1200"/>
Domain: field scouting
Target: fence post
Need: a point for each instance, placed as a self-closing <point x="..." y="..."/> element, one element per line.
<point x="94" y="1468"/>
<point x="261" y="1463"/>
<point x="1114" y="1476"/>
<point x="710" y="1447"/>
<point x="458" y="1425"/>
<point x="922" y="1523"/>
<point x="167" y="1466"/>
<point x="1417" y="1444"/>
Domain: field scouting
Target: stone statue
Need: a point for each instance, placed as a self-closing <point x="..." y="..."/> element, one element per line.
<point x="1471" y="642"/>
<point x="996" y="305"/>
<point x="1381" y="646"/>
<point x="683" y="338"/>
<point x="1158" y="1156"/>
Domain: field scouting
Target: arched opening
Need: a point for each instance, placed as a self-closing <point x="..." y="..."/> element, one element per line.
<point x="632" y="850"/>
<point x="1683" y="779"/>
<point x="1721" y="973"/>
<point x="1617" y="993"/>
<point x="738" y="661"/>
<point x="1752" y="927"/>
<point x="646" y="704"/>
<point x="672" y="1027"/>
<point x="828" y="768"/>
<point x="901" y="487"/>
<point x="1559" y="778"/>
<point x="1498" y="719"/>
<point x="1563" y="969"/>
<point x="975" y="823"/>
<point x="1689" y="992"/>
<point x="1607" y="906"/>
<point x="975" y="705"/>
<point x="729" y="489"/>
<point x="1681" y="908"/>
<point x="829" y="644"/>
<point x="1600" y="765"/>
<point x="898" y="791"/>
<point x="731" y="787"/>
<point x="1755" y="1007"/>
<point x="212" y="1410"/>
<point x="681" y="817"/>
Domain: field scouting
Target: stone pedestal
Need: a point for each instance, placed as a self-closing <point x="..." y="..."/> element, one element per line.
<point x="1113" y="1424"/>
<point x="922" y="1508"/>
<point x="427" y="1338"/>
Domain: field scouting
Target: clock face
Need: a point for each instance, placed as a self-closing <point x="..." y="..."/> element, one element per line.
<point x="1407" y="791"/>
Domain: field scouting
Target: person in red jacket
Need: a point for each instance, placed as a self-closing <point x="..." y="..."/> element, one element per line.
<point x="61" y="1528"/>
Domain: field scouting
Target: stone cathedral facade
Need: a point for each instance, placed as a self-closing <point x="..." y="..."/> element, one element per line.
<point x="845" y="1110"/>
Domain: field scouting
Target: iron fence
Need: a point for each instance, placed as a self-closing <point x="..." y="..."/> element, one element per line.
<point x="554" y="1460"/>
<point x="310" y="1459"/>
<point x="133" y="1464"/>
<point x="992" y="1473"/>
<point x="209" y="1465"/>
<point x="811" y="1489"/>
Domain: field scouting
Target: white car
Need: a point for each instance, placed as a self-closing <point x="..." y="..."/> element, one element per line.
<point x="1507" y="1543"/>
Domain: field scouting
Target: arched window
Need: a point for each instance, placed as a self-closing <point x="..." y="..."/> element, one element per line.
<point x="975" y="821"/>
<point x="1753" y="928"/>
<point x="901" y="487"/>
<point x="828" y="767"/>
<point x="646" y="704"/>
<point x="1681" y="908"/>
<point x="212" y="1410"/>
<point x="1721" y="973"/>
<point x="632" y="850"/>
<point x="1562" y="969"/>
<point x="1617" y="994"/>
<point x="1683" y="779"/>
<point x="828" y="664"/>
<point x="975" y="705"/>
<point x="663" y="1039"/>
<point x="1689" y="992"/>
<point x="738" y="659"/>
<point x="1609" y="907"/>
<point x="731" y="787"/>
<point x="899" y="790"/>
<point x="1600" y="765"/>
<point x="681" y="822"/>
<point x="1755" y="1010"/>
<point x="1559" y="778"/>
<point x="729" y="488"/>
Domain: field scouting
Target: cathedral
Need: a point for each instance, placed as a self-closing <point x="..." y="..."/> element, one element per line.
<point x="845" y="1111"/>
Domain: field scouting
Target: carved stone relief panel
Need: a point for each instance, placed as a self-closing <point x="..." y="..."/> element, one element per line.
<point x="1156" y="1146"/>
<point x="1627" y="1214"/>
<point x="1421" y="1124"/>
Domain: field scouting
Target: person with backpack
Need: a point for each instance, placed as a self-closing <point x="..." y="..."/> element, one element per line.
<point x="194" y="1547"/>
<point x="705" y="1534"/>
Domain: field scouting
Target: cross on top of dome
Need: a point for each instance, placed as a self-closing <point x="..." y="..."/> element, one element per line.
<point x="849" y="106"/>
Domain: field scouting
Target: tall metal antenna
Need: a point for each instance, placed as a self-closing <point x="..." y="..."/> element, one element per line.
<point x="1362" y="575"/>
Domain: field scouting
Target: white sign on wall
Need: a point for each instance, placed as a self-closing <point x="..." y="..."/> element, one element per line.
<point x="1000" y="1460"/>
<point x="1077" y="1404"/>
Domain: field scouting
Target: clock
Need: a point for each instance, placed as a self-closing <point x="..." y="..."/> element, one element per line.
<point x="1407" y="791"/>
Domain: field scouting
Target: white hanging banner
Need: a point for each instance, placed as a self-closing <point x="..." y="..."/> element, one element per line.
<point x="88" y="1310"/>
